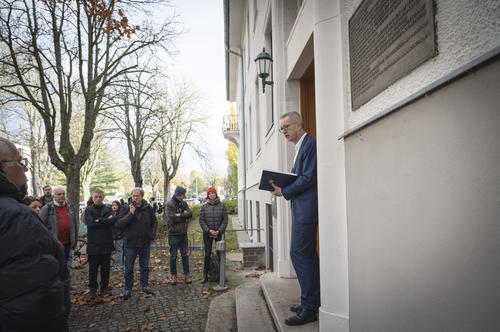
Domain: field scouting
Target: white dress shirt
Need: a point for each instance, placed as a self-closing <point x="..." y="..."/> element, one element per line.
<point x="297" y="147"/>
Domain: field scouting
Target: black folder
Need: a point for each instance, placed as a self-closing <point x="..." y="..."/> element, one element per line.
<point x="280" y="179"/>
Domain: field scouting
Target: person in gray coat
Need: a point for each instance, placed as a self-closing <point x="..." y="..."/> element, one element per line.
<point x="213" y="222"/>
<point x="61" y="220"/>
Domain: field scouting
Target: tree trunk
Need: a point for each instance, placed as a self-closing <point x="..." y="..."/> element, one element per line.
<point x="166" y="198"/>
<point x="86" y="189"/>
<point x="73" y="186"/>
<point x="137" y="174"/>
<point x="34" y="172"/>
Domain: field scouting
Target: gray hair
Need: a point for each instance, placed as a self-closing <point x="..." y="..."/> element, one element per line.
<point x="98" y="191"/>
<point x="138" y="189"/>
<point x="294" y="116"/>
<point x="58" y="188"/>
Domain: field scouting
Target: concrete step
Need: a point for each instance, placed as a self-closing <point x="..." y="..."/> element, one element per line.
<point x="280" y="294"/>
<point x="252" y="314"/>
<point x="222" y="314"/>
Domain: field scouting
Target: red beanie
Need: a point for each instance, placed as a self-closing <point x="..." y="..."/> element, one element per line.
<point x="211" y="189"/>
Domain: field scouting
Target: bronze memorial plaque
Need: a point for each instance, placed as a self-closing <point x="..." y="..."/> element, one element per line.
<point x="387" y="40"/>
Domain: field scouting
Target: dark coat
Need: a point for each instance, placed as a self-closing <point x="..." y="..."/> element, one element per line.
<point x="213" y="216"/>
<point x="177" y="218"/>
<point x="99" y="229"/>
<point x="140" y="227"/>
<point x="34" y="285"/>
<point x="303" y="192"/>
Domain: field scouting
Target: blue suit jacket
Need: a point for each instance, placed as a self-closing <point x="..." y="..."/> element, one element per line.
<point x="303" y="192"/>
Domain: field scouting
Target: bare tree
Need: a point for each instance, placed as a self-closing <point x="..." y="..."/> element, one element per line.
<point x="25" y="127"/>
<point x="74" y="49"/>
<point x="182" y="121"/>
<point x="152" y="171"/>
<point x="213" y="178"/>
<point x="136" y="119"/>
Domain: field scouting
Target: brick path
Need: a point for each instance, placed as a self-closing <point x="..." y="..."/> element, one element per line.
<point x="172" y="308"/>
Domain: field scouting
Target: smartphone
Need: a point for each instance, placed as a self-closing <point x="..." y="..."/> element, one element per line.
<point x="133" y="204"/>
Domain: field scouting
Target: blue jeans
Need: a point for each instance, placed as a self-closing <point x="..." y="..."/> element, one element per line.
<point x="119" y="254"/>
<point x="178" y="242"/>
<point x="130" y="255"/>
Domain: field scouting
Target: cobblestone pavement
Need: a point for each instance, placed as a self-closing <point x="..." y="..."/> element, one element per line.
<point x="182" y="307"/>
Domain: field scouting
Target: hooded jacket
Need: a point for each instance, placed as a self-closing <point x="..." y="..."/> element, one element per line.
<point x="139" y="228"/>
<point x="177" y="218"/>
<point x="34" y="285"/>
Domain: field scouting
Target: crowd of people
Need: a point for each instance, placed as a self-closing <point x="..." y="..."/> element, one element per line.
<point x="38" y="235"/>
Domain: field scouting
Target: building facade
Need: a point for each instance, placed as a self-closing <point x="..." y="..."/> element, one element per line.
<point x="408" y="171"/>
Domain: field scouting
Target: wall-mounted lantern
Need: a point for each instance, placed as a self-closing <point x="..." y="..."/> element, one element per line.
<point x="264" y="62"/>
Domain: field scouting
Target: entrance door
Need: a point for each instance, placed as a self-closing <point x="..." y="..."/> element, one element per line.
<point x="308" y="109"/>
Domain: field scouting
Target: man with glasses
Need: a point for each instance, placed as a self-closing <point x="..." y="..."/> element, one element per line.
<point x="61" y="220"/>
<point x="34" y="287"/>
<point x="303" y="194"/>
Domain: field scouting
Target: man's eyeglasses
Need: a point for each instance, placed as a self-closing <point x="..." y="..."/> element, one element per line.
<point x="22" y="161"/>
<point x="285" y="128"/>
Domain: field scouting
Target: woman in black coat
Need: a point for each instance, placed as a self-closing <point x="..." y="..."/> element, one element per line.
<point x="213" y="221"/>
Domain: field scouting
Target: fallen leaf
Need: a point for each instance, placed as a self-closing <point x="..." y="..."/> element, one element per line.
<point x="148" y="327"/>
<point x="204" y="292"/>
<point x="92" y="325"/>
<point x="163" y="318"/>
<point x="181" y="312"/>
<point x="84" y="314"/>
<point x="204" y="297"/>
<point x="146" y="309"/>
<point x="128" y="329"/>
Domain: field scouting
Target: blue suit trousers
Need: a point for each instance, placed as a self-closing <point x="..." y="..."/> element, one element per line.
<point x="305" y="260"/>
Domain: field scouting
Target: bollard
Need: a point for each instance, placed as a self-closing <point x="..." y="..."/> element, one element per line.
<point x="221" y="246"/>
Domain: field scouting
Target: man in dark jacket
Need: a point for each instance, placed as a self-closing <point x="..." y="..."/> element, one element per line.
<point x="139" y="224"/>
<point x="47" y="195"/>
<point x="178" y="214"/>
<point x="303" y="193"/>
<point x="34" y="286"/>
<point x="99" y="219"/>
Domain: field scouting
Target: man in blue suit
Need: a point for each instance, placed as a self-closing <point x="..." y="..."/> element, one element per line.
<point x="303" y="194"/>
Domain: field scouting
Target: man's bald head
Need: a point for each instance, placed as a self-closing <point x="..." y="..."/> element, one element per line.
<point x="6" y="147"/>
<point x="10" y="164"/>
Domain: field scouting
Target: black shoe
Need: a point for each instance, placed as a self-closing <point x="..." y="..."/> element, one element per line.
<point x="93" y="293"/>
<point x="204" y="280"/>
<point x="295" y="308"/>
<point x="127" y="295"/>
<point x="146" y="290"/>
<point x="303" y="316"/>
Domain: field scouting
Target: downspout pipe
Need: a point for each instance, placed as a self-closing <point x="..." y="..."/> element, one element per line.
<point x="243" y="135"/>
<point x="242" y="129"/>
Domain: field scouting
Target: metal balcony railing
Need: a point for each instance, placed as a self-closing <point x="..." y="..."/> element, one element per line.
<point x="230" y="123"/>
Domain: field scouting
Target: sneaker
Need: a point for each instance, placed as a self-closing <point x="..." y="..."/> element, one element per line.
<point x="146" y="290"/>
<point x="127" y="295"/>
<point x="93" y="293"/>
<point x="105" y="292"/>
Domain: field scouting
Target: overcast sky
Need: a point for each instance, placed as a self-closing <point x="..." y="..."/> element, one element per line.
<point x="201" y="60"/>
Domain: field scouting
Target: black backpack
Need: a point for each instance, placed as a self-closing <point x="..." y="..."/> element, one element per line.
<point x="214" y="270"/>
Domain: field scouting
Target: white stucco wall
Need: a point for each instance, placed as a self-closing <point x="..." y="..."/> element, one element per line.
<point x="465" y="30"/>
